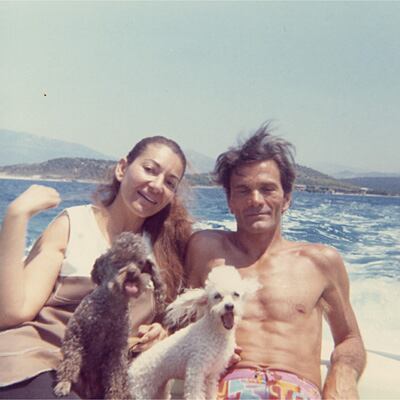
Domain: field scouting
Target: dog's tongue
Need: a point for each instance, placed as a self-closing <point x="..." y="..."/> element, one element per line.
<point x="131" y="288"/>
<point x="228" y="320"/>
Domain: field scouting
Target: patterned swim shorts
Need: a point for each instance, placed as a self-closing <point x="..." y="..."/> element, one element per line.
<point x="257" y="384"/>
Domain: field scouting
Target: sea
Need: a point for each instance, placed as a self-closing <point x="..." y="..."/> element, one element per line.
<point x="365" y="230"/>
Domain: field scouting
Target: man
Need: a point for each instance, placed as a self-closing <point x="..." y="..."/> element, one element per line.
<point x="280" y="333"/>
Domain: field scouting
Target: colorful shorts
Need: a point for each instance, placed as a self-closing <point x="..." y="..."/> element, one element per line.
<point x="249" y="383"/>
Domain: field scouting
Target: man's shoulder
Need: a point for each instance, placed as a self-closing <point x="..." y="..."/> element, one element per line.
<point x="319" y="253"/>
<point x="204" y="249"/>
<point x="204" y="237"/>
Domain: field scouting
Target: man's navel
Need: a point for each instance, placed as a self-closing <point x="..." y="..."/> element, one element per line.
<point x="301" y="308"/>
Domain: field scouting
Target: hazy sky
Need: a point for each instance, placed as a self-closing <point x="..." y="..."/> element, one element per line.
<point x="327" y="73"/>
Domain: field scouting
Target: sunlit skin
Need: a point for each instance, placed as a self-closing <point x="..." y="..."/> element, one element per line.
<point x="282" y="324"/>
<point x="148" y="184"/>
<point x="256" y="197"/>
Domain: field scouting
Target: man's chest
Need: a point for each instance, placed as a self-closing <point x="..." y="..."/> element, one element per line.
<point x="286" y="304"/>
<point x="287" y="291"/>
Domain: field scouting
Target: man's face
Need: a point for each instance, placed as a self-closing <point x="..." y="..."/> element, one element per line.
<point x="257" y="198"/>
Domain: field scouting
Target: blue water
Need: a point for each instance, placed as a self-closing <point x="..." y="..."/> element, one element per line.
<point x="366" y="231"/>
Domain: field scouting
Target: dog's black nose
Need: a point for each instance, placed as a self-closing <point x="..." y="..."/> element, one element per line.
<point x="132" y="274"/>
<point x="229" y="307"/>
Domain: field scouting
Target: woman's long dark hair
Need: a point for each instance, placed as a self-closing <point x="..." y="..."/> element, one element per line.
<point x="169" y="229"/>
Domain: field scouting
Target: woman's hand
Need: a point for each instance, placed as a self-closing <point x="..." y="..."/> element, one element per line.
<point x="34" y="200"/>
<point x="148" y="335"/>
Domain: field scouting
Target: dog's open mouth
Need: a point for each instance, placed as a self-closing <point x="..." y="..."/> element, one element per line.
<point x="131" y="288"/>
<point x="228" y="319"/>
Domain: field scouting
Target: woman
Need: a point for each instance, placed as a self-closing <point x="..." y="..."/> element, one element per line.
<point x="38" y="295"/>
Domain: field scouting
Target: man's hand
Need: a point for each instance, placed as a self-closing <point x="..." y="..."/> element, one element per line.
<point x="148" y="336"/>
<point x="341" y="383"/>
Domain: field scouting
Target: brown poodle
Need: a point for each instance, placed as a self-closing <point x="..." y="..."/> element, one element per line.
<point x="95" y="346"/>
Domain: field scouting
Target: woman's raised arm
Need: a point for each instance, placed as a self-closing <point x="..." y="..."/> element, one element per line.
<point x="26" y="285"/>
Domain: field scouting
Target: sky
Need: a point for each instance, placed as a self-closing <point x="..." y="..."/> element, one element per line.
<point x="327" y="74"/>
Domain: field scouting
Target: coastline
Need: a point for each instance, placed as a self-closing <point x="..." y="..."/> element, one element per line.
<point x="39" y="178"/>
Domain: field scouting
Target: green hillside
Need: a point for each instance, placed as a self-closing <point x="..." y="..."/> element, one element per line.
<point x="319" y="182"/>
<point x="85" y="169"/>
<point x="378" y="185"/>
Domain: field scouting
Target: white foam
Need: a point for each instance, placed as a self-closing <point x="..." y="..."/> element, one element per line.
<point x="376" y="303"/>
<point x="224" y="224"/>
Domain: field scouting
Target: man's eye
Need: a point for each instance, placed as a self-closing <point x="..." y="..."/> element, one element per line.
<point x="264" y="189"/>
<point x="217" y="296"/>
<point x="242" y="190"/>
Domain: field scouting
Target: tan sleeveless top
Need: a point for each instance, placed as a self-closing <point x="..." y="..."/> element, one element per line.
<point x="34" y="346"/>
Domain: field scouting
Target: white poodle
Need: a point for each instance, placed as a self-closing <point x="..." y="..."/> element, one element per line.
<point x="200" y="352"/>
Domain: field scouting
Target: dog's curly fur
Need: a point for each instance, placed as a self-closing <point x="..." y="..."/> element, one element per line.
<point x="95" y="346"/>
<point x="200" y="352"/>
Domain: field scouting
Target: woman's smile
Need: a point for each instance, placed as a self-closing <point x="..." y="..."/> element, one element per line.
<point x="147" y="197"/>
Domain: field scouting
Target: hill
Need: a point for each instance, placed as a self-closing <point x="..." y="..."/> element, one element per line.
<point x="378" y="185"/>
<point x="19" y="146"/>
<point x="77" y="168"/>
<point x="319" y="182"/>
<point x="342" y="172"/>
<point x="198" y="163"/>
<point x="307" y="179"/>
<point x="93" y="170"/>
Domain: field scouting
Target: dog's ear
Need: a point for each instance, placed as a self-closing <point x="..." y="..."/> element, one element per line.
<point x="99" y="271"/>
<point x="159" y="285"/>
<point x="190" y="304"/>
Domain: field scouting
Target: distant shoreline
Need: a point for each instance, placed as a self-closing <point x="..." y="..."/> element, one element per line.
<point x="41" y="179"/>
<point x="68" y="180"/>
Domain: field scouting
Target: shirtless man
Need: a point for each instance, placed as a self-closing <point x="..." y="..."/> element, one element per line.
<point x="280" y="333"/>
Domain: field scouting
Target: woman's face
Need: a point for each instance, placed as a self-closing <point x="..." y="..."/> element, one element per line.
<point x="150" y="182"/>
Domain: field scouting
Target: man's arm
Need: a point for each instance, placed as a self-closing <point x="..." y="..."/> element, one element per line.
<point x="348" y="358"/>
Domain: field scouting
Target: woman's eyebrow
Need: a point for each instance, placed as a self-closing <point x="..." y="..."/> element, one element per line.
<point x="158" y="165"/>
<point x="152" y="161"/>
